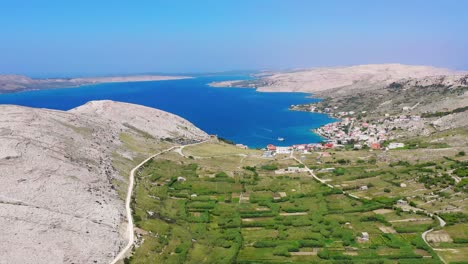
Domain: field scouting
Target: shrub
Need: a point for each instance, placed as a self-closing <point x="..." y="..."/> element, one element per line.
<point x="281" y="251"/>
<point x="270" y="167"/>
<point x="339" y="171"/>
<point x="324" y="254"/>
<point x="454" y="218"/>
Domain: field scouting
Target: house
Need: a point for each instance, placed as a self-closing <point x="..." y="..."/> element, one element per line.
<point x="375" y="145"/>
<point x="268" y="154"/>
<point x="295" y="169"/>
<point x="365" y="236"/>
<point x="291" y="170"/>
<point x="327" y="170"/>
<point x="328" y="145"/>
<point x="357" y="146"/>
<point x="300" y="147"/>
<point x="283" y="150"/>
<point x="276" y="196"/>
<point x="271" y="147"/>
<point x="181" y="179"/>
<point x="402" y="202"/>
<point x="363" y="188"/>
<point x="396" y="145"/>
<point x="363" y="137"/>
<point x="242" y="146"/>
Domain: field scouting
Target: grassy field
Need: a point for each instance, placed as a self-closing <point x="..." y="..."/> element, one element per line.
<point x="136" y="147"/>
<point x="430" y="184"/>
<point x="222" y="204"/>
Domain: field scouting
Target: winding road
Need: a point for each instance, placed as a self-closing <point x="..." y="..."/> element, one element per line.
<point x="130" y="229"/>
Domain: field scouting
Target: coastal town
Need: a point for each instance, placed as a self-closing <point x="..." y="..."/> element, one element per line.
<point x="352" y="131"/>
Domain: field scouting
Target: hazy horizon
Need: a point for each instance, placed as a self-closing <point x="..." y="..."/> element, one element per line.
<point x="45" y="39"/>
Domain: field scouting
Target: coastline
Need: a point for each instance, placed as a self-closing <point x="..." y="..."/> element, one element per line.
<point x="17" y="84"/>
<point x="317" y="131"/>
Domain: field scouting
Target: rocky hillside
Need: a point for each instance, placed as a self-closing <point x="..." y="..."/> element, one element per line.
<point x="58" y="195"/>
<point x="348" y="78"/>
<point x="150" y="120"/>
<point x="411" y="96"/>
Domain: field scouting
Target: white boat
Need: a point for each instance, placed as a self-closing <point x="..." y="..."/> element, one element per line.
<point x="280" y="139"/>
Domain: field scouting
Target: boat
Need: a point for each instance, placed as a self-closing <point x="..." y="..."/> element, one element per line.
<point x="280" y="139"/>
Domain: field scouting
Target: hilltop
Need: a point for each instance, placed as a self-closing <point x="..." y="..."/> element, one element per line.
<point x="64" y="176"/>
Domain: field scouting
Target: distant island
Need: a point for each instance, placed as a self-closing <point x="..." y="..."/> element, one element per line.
<point x="17" y="83"/>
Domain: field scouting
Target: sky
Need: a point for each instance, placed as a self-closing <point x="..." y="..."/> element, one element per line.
<point x="89" y="37"/>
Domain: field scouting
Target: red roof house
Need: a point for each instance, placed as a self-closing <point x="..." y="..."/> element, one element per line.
<point x="328" y="145"/>
<point x="375" y="146"/>
<point x="271" y="147"/>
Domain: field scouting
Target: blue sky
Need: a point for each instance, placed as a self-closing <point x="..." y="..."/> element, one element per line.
<point x="45" y="38"/>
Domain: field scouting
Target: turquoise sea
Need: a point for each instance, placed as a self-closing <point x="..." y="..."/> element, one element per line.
<point x="238" y="114"/>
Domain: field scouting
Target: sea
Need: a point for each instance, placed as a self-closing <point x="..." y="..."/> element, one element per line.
<point x="241" y="115"/>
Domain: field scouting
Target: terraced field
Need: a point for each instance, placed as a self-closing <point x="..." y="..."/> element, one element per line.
<point x="227" y="205"/>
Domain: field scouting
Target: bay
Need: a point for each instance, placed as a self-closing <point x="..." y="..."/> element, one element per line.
<point x="242" y="115"/>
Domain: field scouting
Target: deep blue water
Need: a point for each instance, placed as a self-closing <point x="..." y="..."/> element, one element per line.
<point x="242" y="115"/>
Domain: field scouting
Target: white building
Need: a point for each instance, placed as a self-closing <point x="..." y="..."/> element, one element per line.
<point x="283" y="150"/>
<point x="402" y="202"/>
<point x="291" y="170"/>
<point x="357" y="146"/>
<point x="396" y="145"/>
<point x="365" y="236"/>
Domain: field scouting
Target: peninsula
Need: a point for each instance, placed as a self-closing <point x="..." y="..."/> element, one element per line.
<point x="17" y="83"/>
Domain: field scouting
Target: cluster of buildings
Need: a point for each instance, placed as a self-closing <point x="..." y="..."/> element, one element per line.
<point x="360" y="133"/>
<point x="348" y="131"/>
<point x="290" y="170"/>
<point x="271" y="150"/>
<point x="351" y="131"/>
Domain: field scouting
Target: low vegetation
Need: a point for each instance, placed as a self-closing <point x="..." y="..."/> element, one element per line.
<point x="240" y="211"/>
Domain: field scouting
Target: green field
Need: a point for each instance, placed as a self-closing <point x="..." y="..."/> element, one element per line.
<point x="237" y="210"/>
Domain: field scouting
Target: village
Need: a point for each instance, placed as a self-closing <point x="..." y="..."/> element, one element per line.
<point x="354" y="131"/>
<point x="350" y="133"/>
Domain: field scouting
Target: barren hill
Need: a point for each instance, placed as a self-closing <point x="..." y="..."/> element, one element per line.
<point x="348" y="78"/>
<point x="59" y="200"/>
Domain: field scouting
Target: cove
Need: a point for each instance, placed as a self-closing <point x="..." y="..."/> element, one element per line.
<point x="242" y="115"/>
